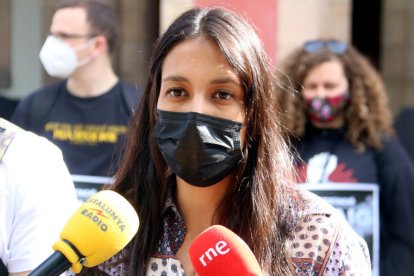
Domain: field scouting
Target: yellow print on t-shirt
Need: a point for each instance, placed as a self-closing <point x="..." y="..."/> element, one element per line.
<point x="85" y="134"/>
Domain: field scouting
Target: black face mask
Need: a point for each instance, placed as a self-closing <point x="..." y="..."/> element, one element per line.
<point x="201" y="149"/>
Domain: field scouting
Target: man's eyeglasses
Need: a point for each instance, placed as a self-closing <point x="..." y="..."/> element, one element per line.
<point x="336" y="47"/>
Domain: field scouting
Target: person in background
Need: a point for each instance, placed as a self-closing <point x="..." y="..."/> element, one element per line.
<point x="37" y="197"/>
<point x="336" y="112"/>
<point x="87" y="113"/>
<point x="403" y="122"/>
<point x="210" y="80"/>
<point x="7" y="106"/>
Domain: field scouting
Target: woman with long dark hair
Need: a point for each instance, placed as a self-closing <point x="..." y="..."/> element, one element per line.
<point x="205" y="147"/>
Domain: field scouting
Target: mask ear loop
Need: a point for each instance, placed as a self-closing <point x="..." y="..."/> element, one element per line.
<point x="84" y="44"/>
<point x="156" y="113"/>
<point x="81" y="46"/>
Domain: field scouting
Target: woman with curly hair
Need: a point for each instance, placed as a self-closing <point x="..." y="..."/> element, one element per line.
<point x="336" y="112"/>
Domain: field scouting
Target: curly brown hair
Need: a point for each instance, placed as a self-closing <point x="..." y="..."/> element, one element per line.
<point x="367" y="115"/>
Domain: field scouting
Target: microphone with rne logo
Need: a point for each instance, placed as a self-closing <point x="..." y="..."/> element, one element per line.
<point x="102" y="226"/>
<point x="219" y="251"/>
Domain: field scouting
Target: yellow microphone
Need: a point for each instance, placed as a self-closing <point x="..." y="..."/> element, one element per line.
<point x="103" y="225"/>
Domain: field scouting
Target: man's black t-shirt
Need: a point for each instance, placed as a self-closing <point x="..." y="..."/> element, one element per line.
<point x="89" y="131"/>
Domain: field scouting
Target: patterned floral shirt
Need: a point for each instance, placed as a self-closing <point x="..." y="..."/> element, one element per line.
<point x="325" y="244"/>
<point x="322" y="244"/>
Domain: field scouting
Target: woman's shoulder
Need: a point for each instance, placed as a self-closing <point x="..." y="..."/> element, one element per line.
<point x="323" y="242"/>
<point x="314" y="234"/>
<point x="315" y="204"/>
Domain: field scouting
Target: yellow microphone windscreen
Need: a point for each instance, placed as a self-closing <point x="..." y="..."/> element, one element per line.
<point x="101" y="227"/>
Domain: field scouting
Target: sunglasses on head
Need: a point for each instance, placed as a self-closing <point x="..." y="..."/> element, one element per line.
<point x="336" y="47"/>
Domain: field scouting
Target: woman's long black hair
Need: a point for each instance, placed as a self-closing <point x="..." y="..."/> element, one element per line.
<point x="261" y="203"/>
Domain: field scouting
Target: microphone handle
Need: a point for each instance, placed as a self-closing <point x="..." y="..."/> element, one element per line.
<point x="55" y="265"/>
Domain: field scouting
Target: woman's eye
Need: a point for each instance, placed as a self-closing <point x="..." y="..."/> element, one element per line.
<point x="176" y="92"/>
<point x="330" y="85"/>
<point x="223" y="95"/>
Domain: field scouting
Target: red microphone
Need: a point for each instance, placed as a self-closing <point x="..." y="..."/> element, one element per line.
<point x="219" y="251"/>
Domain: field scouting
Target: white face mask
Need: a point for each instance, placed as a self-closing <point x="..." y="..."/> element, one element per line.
<point x="59" y="59"/>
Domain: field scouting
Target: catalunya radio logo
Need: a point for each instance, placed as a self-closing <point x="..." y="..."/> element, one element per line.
<point x="101" y="213"/>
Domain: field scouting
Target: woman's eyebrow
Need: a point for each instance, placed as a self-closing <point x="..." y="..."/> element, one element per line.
<point x="175" y="78"/>
<point x="226" y="80"/>
<point x="215" y="81"/>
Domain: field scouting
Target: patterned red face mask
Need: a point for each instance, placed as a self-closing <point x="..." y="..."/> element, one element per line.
<point x="325" y="110"/>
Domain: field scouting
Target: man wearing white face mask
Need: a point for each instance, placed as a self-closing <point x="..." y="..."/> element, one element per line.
<point x="85" y="114"/>
<point x="60" y="59"/>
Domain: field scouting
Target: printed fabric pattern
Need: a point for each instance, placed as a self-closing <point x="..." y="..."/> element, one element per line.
<point x="322" y="244"/>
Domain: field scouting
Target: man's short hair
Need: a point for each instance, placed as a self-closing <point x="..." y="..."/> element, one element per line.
<point x="101" y="17"/>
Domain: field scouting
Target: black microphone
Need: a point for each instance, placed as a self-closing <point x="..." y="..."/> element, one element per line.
<point x="56" y="264"/>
